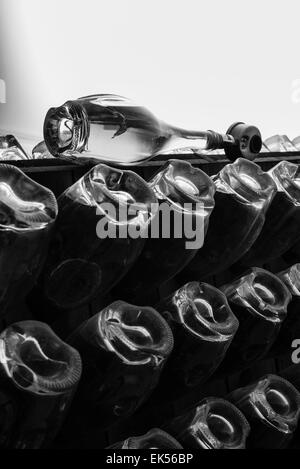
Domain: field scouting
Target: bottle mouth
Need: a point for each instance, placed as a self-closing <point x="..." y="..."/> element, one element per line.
<point x="247" y="181"/>
<point x="291" y="278"/>
<point x="286" y="176"/>
<point x="66" y="129"/>
<point x="138" y="335"/>
<point x="120" y="195"/>
<point x="37" y="361"/>
<point x="179" y="183"/>
<point x="218" y="424"/>
<point x="154" y="439"/>
<point x="277" y="402"/>
<point x="262" y="293"/>
<point x="24" y="204"/>
<point x="205" y="312"/>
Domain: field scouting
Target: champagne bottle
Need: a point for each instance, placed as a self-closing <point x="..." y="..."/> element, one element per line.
<point x="214" y="424"/>
<point x="280" y="143"/>
<point x="259" y="300"/>
<point x="203" y="327"/>
<point x="243" y="196"/>
<point x="27" y="216"/>
<point x="186" y="200"/>
<point x="290" y="329"/>
<point x="155" y="439"/>
<point x="124" y="349"/>
<point x="11" y="149"/>
<point x="272" y="407"/>
<point x="40" y="373"/>
<point x="281" y="229"/>
<point x="110" y="128"/>
<point x="99" y="235"/>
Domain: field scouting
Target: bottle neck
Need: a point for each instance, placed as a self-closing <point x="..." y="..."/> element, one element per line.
<point x="200" y="141"/>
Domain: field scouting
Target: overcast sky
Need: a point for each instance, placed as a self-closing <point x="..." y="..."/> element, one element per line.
<point x="202" y="65"/>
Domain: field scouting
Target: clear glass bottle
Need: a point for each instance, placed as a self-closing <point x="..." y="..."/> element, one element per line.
<point x="153" y="440"/>
<point x="290" y="329"/>
<point x="27" y="216"/>
<point x="203" y="327"/>
<point x="296" y="143"/>
<point x="11" y="149"/>
<point x="188" y="193"/>
<point x="281" y="229"/>
<point x="98" y="236"/>
<point x="40" y="373"/>
<point x="272" y="407"/>
<point x="214" y="424"/>
<point x="111" y="128"/>
<point x="243" y="196"/>
<point x="124" y="349"/>
<point x="259" y="300"/>
<point x="41" y="152"/>
<point x="280" y="143"/>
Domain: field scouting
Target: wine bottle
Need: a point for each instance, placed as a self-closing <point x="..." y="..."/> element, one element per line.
<point x="99" y="235"/>
<point x="111" y="128"/>
<point x="259" y="300"/>
<point x="244" y="193"/>
<point x="290" y="329"/>
<point x="155" y="439"/>
<point x="281" y="229"/>
<point x="124" y="349"/>
<point x="214" y="424"/>
<point x="11" y="149"/>
<point x="186" y="200"/>
<point x="203" y="327"/>
<point x="27" y="216"/>
<point x="272" y="407"/>
<point x="40" y="373"/>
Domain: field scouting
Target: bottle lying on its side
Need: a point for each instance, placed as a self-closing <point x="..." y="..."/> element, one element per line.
<point x="11" y="149"/>
<point x="99" y="235"/>
<point x="281" y="229"/>
<point x="290" y="329"/>
<point x="154" y="439"/>
<point x="203" y="327"/>
<point x="124" y="349"/>
<point x="111" y="128"/>
<point x="27" y="216"/>
<point x="272" y="407"/>
<point x="280" y="143"/>
<point x="243" y="196"/>
<point x="41" y="152"/>
<point x="214" y="424"/>
<point x="40" y="373"/>
<point x="259" y="300"/>
<point x="186" y="201"/>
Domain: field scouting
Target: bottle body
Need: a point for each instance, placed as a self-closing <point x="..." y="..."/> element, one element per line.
<point x="281" y="229"/>
<point x="259" y="300"/>
<point x="27" y="216"/>
<point x="203" y="327"/>
<point x="244" y="193"/>
<point x="124" y="349"/>
<point x="214" y="424"/>
<point x="154" y="439"/>
<point x="98" y="236"/>
<point x="40" y="374"/>
<point x="10" y="149"/>
<point x="272" y="407"/>
<point x="290" y="329"/>
<point x="186" y="200"/>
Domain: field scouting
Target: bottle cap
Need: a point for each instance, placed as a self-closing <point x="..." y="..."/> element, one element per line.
<point x="248" y="141"/>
